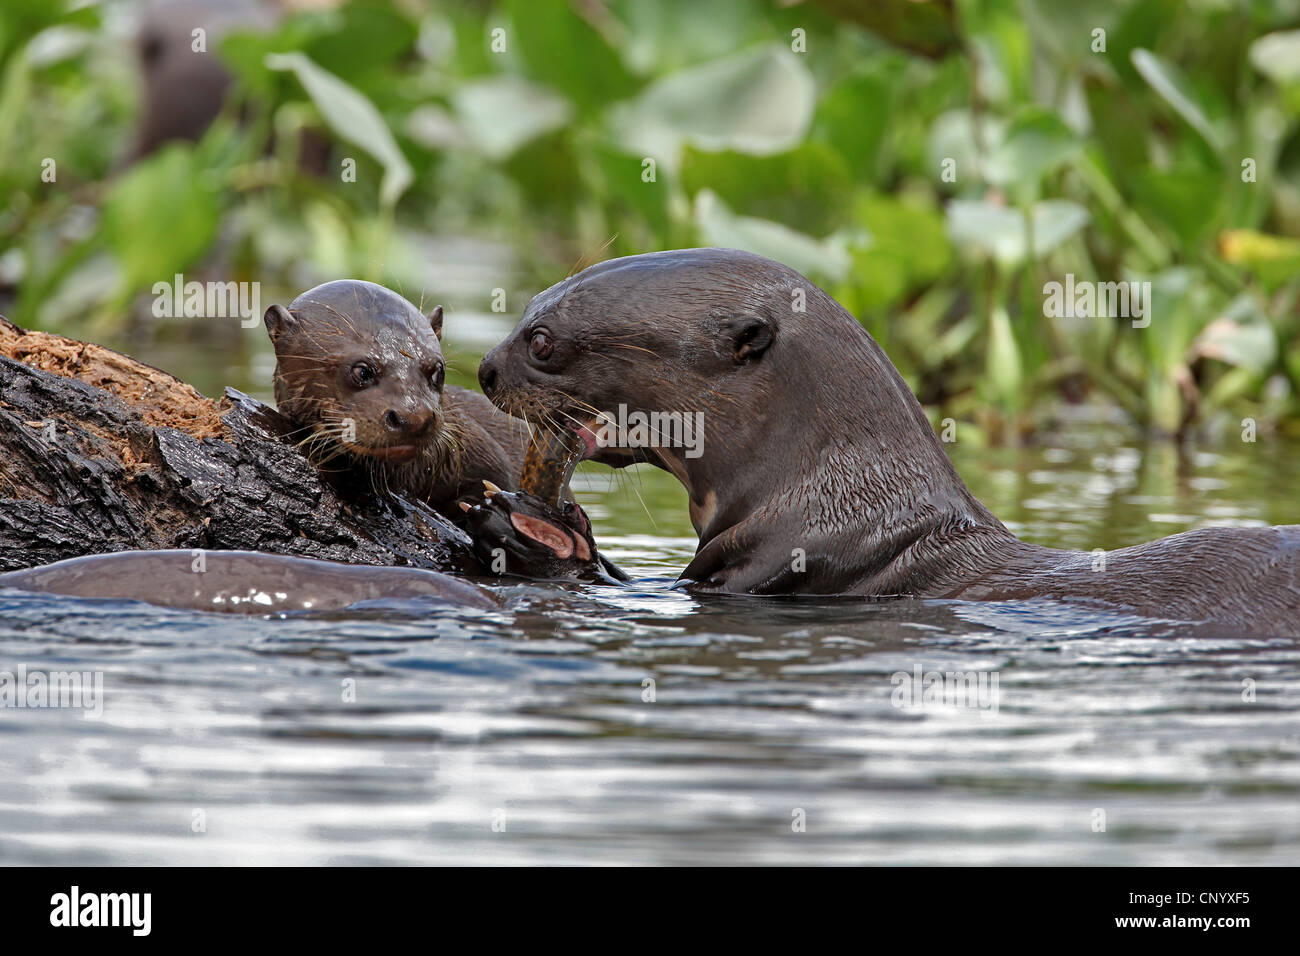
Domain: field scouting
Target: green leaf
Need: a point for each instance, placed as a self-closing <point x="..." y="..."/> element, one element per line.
<point x="1034" y="145"/>
<point x="1241" y="336"/>
<point x="1168" y="81"/>
<point x="562" y="50"/>
<point x="930" y="29"/>
<point x="999" y="42"/>
<point x="1275" y="260"/>
<point x="244" y="50"/>
<point x="758" y="102"/>
<point x="502" y="113"/>
<point x="808" y="188"/>
<point x="956" y="134"/>
<point x="1054" y="221"/>
<point x="1277" y="56"/>
<point x="1004" y="372"/>
<point x="907" y="248"/>
<point x="353" y="118"/>
<point x="366" y="35"/>
<point x="854" y="115"/>
<point x="1066" y="28"/>
<point x="20" y="20"/>
<point x="719" y="226"/>
<point x="1186" y="198"/>
<point x="620" y="183"/>
<point x="663" y="37"/>
<point x="989" y="229"/>
<point x="1002" y="232"/>
<point x="160" y="217"/>
<point x="15" y="97"/>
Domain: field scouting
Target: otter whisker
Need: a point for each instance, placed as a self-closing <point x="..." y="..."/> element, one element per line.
<point x="586" y="260"/>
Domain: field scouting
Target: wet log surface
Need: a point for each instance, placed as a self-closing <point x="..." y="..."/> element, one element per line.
<point x="99" y="452"/>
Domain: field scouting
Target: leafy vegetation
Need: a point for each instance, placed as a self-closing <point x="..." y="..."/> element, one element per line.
<point x="933" y="165"/>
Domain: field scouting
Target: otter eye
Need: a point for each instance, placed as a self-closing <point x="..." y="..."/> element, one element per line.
<point x="361" y="375"/>
<point x="437" y="377"/>
<point x="541" y="345"/>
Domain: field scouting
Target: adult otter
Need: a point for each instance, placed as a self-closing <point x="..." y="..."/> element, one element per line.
<point x="819" y="472"/>
<point x="184" y="89"/>
<point x="360" y="371"/>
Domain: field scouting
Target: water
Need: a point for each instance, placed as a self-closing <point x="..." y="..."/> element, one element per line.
<point x="525" y="736"/>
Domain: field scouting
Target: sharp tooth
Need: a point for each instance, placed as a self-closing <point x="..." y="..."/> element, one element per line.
<point x="490" y="489"/>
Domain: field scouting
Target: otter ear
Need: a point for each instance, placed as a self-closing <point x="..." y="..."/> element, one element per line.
<point x="748" y="335"/>
<point x="279" y="320"/>
<point x="435" y="321"/>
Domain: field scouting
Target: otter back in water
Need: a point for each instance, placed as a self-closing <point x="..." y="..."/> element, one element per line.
<point x="241" y="581"/>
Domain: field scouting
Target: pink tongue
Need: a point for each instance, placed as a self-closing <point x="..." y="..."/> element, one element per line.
<point x="588" y="439"/>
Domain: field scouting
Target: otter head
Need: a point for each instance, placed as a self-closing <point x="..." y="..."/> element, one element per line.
<point x="681" y="359"/>
<point x="360" y="370"/>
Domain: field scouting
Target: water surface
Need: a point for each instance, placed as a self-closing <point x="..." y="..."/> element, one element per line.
<point x="528" y="735"/>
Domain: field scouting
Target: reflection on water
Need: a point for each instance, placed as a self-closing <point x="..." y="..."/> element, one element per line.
<point x="640" y="725"/>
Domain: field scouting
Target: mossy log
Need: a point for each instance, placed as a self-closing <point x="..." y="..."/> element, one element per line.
<point x="99" y="453"/>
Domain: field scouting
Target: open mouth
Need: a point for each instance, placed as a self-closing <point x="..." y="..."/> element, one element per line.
<point x="600" y="437"/>
<point x="386" y="452"/>
<point x="543" y="404"/>
<point x="587" y="432"/>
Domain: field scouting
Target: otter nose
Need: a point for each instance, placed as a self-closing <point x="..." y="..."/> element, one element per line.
<point x="487" y="374"/>
<point x="412" y="423"/>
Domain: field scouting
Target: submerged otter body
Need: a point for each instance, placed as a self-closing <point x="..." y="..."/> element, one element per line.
<point x="818" y="472"/>
<point x="360" y="371"/>
<point x="239" y="581"/>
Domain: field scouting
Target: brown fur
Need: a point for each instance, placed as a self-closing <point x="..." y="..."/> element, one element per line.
<point x="406" y="433"/>
<point x="815" y="446"/>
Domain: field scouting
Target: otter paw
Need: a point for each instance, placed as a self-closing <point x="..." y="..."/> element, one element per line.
<point x="519" y="534"/>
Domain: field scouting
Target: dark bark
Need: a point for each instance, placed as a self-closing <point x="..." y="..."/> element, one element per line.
<point x="146" y="462"/>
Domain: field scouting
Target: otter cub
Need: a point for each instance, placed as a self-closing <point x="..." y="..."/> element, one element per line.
<point x="359" y="370"/>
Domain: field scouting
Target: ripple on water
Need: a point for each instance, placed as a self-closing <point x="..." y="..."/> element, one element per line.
<point x="630" y="725"/>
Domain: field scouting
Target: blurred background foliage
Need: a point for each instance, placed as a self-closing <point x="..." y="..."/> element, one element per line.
<point x="506" y="144"/>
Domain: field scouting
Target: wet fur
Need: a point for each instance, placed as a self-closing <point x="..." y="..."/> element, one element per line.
<point x="814" y="441"/>
<point x="467" y="439"/>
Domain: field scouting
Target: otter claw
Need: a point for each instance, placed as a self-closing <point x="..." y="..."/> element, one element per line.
<point x="489" y="488"/>
<point x="465" y="505"/>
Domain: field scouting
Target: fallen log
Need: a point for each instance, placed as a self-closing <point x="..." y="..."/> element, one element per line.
<point x="99" y="453"/>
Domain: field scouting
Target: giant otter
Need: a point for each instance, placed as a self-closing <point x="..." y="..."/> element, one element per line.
<point x="360" y="371"/>
<point x="184" y="89"/>
<point x="818" y="472"/>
